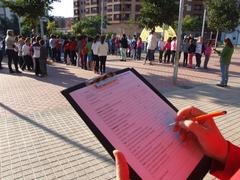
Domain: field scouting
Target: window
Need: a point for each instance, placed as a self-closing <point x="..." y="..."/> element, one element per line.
<point x="126" y="17"/>
<point x="138" y="7"/>
<point x="109" y="17"/>
<point x="109" y="8"/>
<point x="117" y="17"/>
<point x="87" y="11"/>
<point x="127" y="7"/>
<point x="76" y="4"/>
<point x="94" y="10"/>
<point x="94" y="1"/>
<point x="117" y="7"/>
<point x="76" y="12"/>
<point x="189" y="7"/>
<point x="198" y="7"/>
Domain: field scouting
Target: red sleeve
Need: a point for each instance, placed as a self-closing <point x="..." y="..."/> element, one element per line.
<point x="227" y="170"/>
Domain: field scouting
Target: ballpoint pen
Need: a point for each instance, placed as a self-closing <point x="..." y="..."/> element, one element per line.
<point x="205" y="116"/>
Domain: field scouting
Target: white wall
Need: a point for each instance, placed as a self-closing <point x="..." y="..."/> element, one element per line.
<point x="234" y="36"/>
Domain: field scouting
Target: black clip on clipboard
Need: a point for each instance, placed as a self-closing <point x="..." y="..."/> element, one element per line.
<point x="102" y="80"/>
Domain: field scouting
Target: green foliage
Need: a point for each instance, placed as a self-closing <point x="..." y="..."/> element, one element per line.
<point x="223" y="15"/>
<point x="191" y="23"/>
<point x="26" y="30"/>
<point x="59" y="34"/>
<point x="7" y="23"/>
<point x="89" y="26"/>
<point x="31" y="10"/>
<point x="158" y="12"/>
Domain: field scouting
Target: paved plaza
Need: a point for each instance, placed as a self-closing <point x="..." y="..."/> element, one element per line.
<point x="42" y="137"/>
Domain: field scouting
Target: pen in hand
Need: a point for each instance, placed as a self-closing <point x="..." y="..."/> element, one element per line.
<point x="205" y="116"/>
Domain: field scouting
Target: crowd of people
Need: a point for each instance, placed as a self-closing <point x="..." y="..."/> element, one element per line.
<point x="89" y="53"/>
<point x="189" y="47"/>
<point x="25" y="53"/>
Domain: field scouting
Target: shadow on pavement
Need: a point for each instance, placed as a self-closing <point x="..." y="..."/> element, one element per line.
<point x="56" y="75"/>
<point x="55" y="134"/>
<point x="210" y="93"/>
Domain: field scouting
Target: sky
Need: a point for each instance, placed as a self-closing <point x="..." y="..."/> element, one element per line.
<point x="63" y="8"/>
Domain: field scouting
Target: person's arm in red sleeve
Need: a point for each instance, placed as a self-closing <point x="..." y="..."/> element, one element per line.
<point x="225" y="156"/>
<point x="231" y="166"/>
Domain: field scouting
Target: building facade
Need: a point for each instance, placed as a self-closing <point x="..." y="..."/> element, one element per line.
<point x="120" y="13"/>
<point x="194" y="8"/>
<point x="63" y="24"/>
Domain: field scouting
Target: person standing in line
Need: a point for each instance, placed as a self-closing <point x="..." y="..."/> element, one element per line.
<point x="84" y="52"/>
<point x="139" y="48"/>
<point x="19" y="45"/>
<point x="152" y="44"/>
<point x="198" y="52"/>
<point x="43" y="58"/>
<point x="52" y="44"/>
<point x="191" y="51"/>
<point x="185" y="46"/>
<point x="173" y="49"/>
<point x="1" y="52"/>
<point x="58" y="48"/>
<point x="27" y="59"/>
<point x="225" y="60"/>
<point x="129" y="46"/>
<point x="16" y="51"/>
<point x="94" y="48"/>
<point x="89" y="53"/>
<point x="78" y="50"/>
<point x="36" y="55"/>
<point x="112" y="40"/>
<point x="123" y="49"/>
<point x="134" y="47"/>
<point x="33" y="41"/>
<point x="72" y="49"/>
<point x="167" y="49"/>
<point x="102" y="54"/>
<point x="9" y="46"/>
<point x="66" y="50"/>
<point x="117" y="45"/>
<point x="207" y="52"/>
<point x="161" y="46"/>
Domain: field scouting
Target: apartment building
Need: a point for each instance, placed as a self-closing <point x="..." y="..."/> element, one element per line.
<point x="194" y="8"/>
<point x="118" y="12"/>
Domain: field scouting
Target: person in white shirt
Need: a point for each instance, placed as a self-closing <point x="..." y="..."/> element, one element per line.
<point x="95" y="45"/>
<point x="102" y="54"/>
<point x="198" y="52"/>
<point x="151" y="46"/>
<point x="173" y="49"/>
<point x="52" y="44"/>
<point x="10" y="47"/>
<point x="161" y="46"/>
<point x="19" y="45"/>
<point x="1" y="51"/>
<point x="36" y="55"/>
<point x="27" y="59"/>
